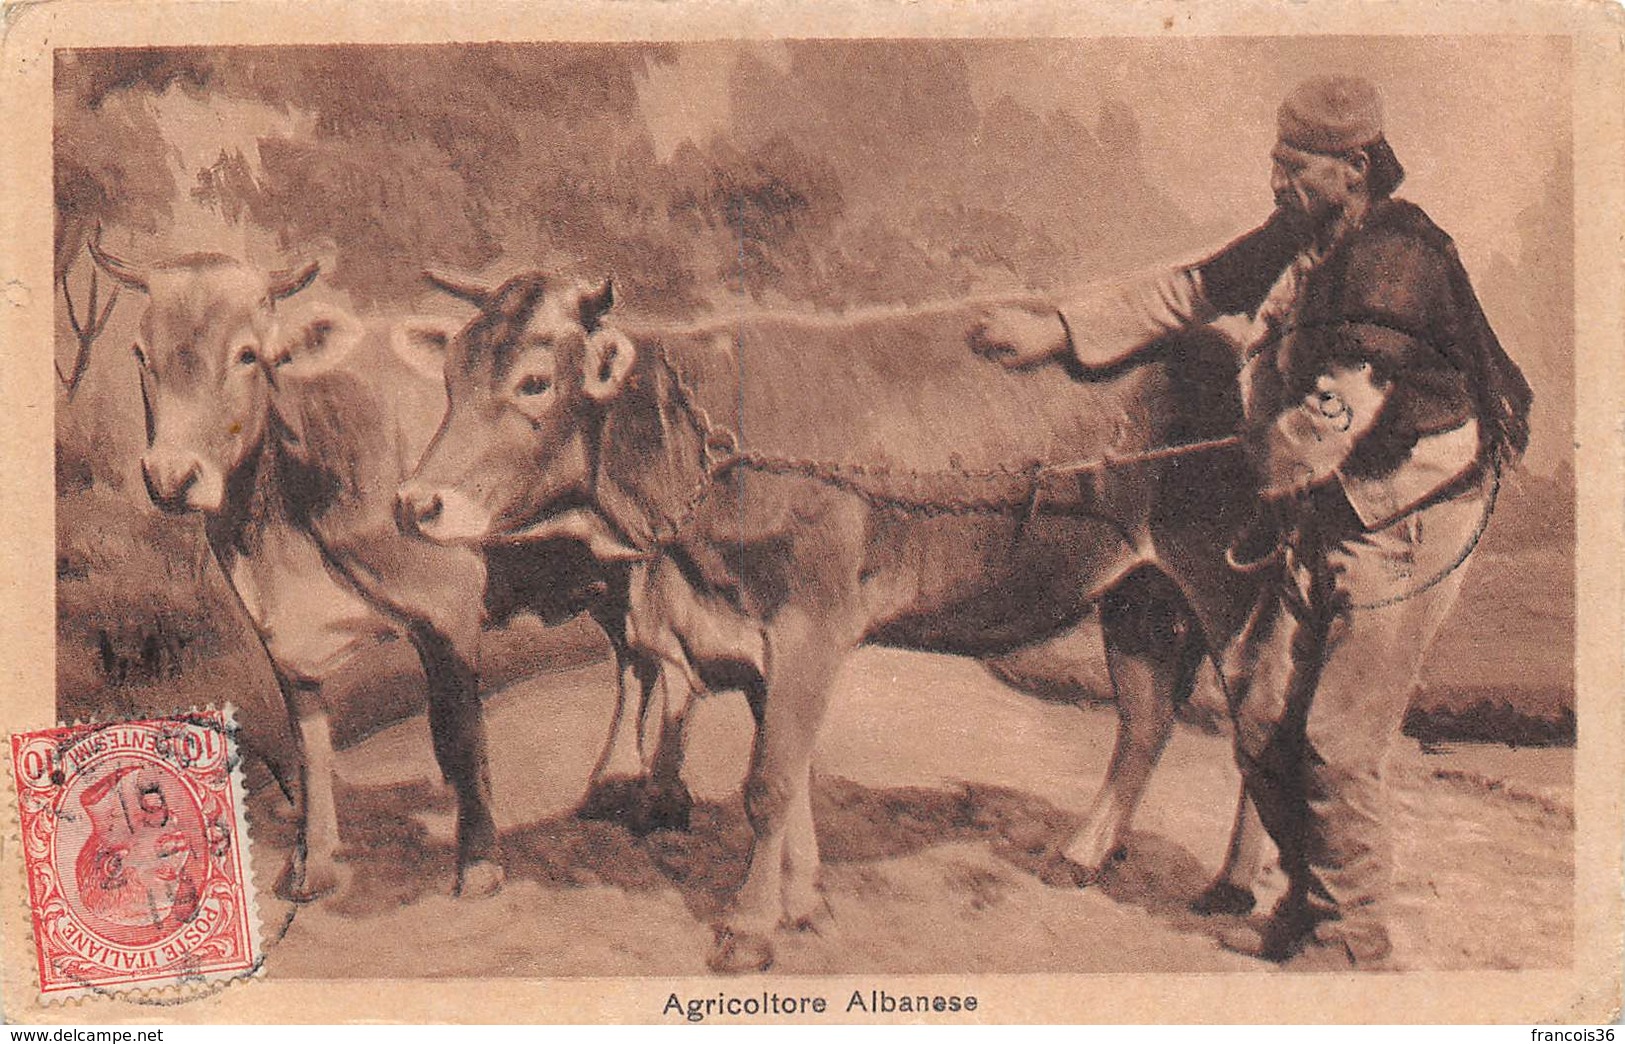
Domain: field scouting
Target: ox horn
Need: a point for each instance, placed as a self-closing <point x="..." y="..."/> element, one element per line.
<point x="290" y="281"/>
<point x="116" y="267"/>
<point x="595" y="301"/>
<point x="474" y="295"/>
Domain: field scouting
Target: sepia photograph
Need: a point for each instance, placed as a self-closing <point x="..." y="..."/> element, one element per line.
<point x="793" y="517"/>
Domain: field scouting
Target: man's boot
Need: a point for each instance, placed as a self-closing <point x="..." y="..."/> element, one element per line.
<point x="1290" y="927"/>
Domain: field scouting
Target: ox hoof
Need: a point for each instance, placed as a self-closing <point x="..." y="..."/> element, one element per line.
<point x="480" y="879"/>
<point x="307" y="880"/>
<point x="805" y="924"/>
<point x="738" y="952"/>
<point x="810" y="915"/>
<point x="1060" y="872"/>
<point x="1222" y="897"/>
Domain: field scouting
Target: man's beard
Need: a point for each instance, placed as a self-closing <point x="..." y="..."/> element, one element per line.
<point x="1324" y="227"/>
<point x="1298" y="216"/>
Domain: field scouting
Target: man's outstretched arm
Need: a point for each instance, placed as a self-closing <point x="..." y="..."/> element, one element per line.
<point x="1108" y="322"/>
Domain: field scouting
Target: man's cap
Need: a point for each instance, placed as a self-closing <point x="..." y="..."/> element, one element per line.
<point x="1332" y="115"/>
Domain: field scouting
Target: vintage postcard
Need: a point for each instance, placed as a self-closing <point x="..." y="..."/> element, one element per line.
<point x="790" y="513"/>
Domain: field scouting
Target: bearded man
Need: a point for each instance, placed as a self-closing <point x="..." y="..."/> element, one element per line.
<point x="1380" y="409"/>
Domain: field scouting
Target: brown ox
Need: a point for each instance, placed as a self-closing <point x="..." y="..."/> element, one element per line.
<point x="791" y="488"/>
<point x="291" y="446"/>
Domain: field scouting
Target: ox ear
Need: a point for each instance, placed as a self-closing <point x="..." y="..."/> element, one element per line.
<point x="288" y="282"/>
<point x="316" y="344"/>
<point x="595" y="302"/>
<point x="607" y="363"/>
<point x="422" y="343"/>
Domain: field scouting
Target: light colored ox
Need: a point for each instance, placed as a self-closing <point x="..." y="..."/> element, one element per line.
<point x="291" y="445"/>
<point x="793" y="487"/>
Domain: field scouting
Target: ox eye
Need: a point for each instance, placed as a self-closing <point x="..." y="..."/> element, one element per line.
<point x="247" y="356"/>
<point x="140" y="357"/>
<point x="534" y="384"/>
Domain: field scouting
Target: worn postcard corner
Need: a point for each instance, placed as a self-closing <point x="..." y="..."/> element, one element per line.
<point x="807" y="514"/>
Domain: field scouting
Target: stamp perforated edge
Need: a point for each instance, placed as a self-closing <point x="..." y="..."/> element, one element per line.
<point x="165" y="994"/>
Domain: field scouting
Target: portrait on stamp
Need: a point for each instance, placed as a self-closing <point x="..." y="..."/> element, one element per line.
<point x="849" y="509"/>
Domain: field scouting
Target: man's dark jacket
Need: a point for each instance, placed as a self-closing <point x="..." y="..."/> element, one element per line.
<point x="1394" y="293"/>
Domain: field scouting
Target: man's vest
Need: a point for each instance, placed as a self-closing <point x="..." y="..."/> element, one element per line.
<point x="1393" y="294"/>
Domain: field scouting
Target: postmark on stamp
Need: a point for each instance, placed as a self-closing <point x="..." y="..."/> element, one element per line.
<point x="136" y="854"/>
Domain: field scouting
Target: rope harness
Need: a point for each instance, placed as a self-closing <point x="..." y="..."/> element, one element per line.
<point x="1003" y="490"/>
<point x="1015" y="490"/>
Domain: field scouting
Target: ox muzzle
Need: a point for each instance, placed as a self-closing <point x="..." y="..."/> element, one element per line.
<point x="445" y="516"/>
<point x="171" y="480"/>
<point x="417" y="506"/>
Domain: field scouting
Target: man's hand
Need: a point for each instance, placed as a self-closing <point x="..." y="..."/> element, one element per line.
<point x="1019" y="335"/>
<point x="1307" y="444"/>
<point x="1347" y="399"/>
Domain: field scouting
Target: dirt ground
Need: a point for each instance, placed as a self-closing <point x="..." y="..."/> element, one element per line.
<point x="936" y="786"/>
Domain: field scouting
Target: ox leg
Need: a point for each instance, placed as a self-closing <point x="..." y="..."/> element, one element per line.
<point x="804" y="658"/>
<point x="670" y="802"/>
<point x="1152" y="654"/>
<point x="1232" y="890"/>
<point x="616" y="788"/>
<point x="652" y="795"/>
<point x="457" y="728"/>
<point x="804" y="904"/>
<point x="312" y="870"/>
<point x="638" y="779"/>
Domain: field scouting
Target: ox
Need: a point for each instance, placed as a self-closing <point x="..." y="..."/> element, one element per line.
<point x="792" y="487"/>
<point x="291" y="446"/>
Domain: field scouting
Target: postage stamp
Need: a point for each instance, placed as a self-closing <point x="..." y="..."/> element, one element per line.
<point x="789" y="511"/>
<point x="136" y="852"/>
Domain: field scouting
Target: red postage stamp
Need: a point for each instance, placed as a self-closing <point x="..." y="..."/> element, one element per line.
<point x="135" y="845"/>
